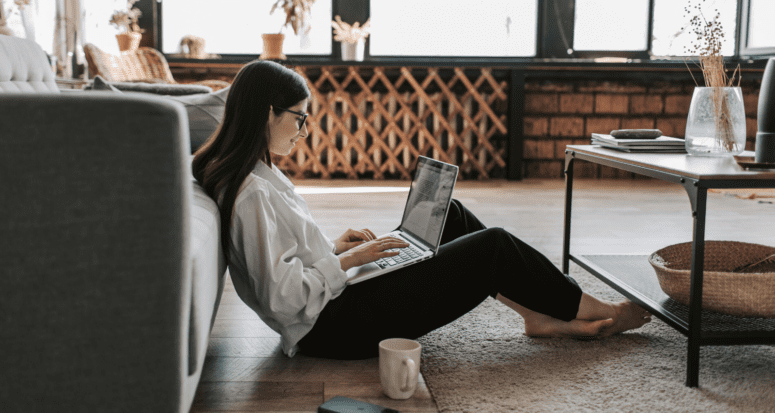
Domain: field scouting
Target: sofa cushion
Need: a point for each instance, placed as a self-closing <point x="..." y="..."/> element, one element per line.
<point x="24" y="67"/>
<point x="204" y="114"/>
<point x="100" y="84"/>
<point x="205" y="111"/>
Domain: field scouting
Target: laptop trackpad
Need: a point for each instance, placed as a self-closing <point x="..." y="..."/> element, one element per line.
<point x="361" y="270"/>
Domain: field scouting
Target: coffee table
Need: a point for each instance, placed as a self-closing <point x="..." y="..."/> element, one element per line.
<point x="633" y="276"/>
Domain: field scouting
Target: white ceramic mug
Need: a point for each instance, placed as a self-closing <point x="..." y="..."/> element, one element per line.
<point x="399" y="367"/>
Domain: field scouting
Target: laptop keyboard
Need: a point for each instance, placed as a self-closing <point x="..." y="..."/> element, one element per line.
<point x="409" y="253"/>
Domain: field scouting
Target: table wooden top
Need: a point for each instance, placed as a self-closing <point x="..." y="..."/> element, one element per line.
<point x="696" y="167"/>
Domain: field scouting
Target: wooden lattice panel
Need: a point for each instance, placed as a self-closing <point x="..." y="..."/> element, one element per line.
<point x="373" y="122"/>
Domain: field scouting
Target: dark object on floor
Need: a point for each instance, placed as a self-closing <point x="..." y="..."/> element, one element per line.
<point x="341" y="404"/>
<point x="636" y="133"/>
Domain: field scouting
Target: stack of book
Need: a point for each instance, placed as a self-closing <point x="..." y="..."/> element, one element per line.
<point x="662" y="144"/>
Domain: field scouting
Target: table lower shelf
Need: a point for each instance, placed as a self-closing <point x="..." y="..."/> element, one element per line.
<point x="633" y="276"/>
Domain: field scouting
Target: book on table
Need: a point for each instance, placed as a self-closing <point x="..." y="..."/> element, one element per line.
<point x="662" y="144"/>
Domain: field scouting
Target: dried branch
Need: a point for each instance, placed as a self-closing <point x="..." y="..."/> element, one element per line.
<point x="126" y="19"/>
<point x="4" y="15"/>
<point x="344" y="32"/>
<point x="708" y="42"/>
<point x="710" y="35"/>
<point x="22" y="3"/>
<point x="297" y="12"/>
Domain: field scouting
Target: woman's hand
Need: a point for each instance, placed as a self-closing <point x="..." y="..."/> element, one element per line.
<point x="352" y="238"/>
<point x="371" y="251"/>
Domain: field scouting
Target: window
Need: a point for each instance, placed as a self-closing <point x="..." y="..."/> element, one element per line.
<point x="97" y="29"/>
<point x="629" y="29"/>
<point x="453" y="28"/>
<point x="236" y="26"/>
<point x="761" y="30"/>
<point x="611" y="25"/>
<point x="673" y="34"/>
<point x="758" y="32"/>
<point x="33" y="21"/>
<point x="45" y="21"/>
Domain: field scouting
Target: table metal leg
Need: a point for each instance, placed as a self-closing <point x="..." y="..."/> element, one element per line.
<point x="569" y="155"/>
<point x="695" y="293"/>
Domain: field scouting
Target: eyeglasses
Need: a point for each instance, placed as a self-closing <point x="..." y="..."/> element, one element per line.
<point x="303" y="117"/>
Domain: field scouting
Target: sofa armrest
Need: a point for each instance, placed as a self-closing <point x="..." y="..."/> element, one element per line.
<point x="95" y="252"/>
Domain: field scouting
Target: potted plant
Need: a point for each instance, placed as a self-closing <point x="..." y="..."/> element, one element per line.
<point x="5" y="14"/>
<point x="352" y="38"/>
<point x="297" y="13"/>
<point x="716" y="122"/>
<point x="130" y="32"/>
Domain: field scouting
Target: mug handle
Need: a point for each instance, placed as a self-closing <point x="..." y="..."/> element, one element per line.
<point x="410" y="378"/>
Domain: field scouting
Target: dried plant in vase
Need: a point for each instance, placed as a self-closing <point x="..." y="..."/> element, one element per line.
<point x="707" y="45"/>
<point x="352" y="38"/>
<point x="344" y="32"/>
<point x="126" y="20"/>
<point x="5" y="14"/>
<point x="297" y="13"/>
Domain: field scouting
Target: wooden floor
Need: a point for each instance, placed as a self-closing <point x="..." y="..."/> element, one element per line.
<point x="245" y="369"/>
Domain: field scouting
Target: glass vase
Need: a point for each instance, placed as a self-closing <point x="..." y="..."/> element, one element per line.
<point x="716" y="122"/>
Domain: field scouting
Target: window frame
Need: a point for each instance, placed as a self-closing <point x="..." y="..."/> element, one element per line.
<point x="552" y="33"/>
<point x="593" y="54"/>
<point x="744" y="11"/>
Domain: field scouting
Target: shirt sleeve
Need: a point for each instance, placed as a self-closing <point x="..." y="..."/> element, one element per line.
<point x="286" y="289"/>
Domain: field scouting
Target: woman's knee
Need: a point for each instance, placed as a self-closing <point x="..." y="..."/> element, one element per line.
<point x="456" y="209"/>
<point x="497" y="234"/>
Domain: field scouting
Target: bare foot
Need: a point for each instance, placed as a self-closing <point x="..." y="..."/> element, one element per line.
<point x="628" y="316"/>
<point x="542" y="325"/>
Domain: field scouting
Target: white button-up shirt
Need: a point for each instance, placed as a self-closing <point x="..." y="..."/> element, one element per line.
<point x="281" y="263"/>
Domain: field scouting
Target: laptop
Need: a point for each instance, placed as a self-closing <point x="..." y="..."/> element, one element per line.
<point x="423" y="221"/>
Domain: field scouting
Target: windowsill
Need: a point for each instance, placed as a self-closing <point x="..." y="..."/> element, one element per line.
<point x="529" y="64"/>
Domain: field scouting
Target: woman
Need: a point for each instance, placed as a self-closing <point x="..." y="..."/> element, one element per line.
<point x="293" y="276"/>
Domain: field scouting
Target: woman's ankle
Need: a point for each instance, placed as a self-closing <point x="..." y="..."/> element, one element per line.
<point x="591" y="308"/>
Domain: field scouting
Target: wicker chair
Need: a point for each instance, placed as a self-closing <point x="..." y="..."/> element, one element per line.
<point x="145" y="64"/>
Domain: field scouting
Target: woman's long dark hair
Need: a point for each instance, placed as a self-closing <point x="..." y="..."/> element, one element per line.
<point x="231" y="153"/>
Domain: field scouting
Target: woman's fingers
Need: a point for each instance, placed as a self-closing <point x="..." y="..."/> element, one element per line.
<point x="369" y="234"/>
<point x="366" y="235"/>
<point x="376" y="249"/>
<point x="381" y="244"/>
<point x="390" y="242"/>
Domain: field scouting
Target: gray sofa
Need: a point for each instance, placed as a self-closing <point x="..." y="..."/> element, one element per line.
<point x="111" y="264"/>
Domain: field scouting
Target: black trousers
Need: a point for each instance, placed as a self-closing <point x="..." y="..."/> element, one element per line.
<point x="473" y="262"/>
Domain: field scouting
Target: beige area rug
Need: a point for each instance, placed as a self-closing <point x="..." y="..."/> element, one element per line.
<point x="483" y="363"/>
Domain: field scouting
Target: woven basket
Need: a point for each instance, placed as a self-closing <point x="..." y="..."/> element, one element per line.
<point x="728" y="286"/>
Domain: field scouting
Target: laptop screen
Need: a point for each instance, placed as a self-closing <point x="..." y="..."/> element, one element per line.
<point x="428" y="201"/>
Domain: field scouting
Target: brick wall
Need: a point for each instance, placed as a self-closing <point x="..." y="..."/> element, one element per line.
<point x="562" y="112"/>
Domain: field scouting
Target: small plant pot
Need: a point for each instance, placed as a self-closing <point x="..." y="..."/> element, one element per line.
<point x="128" y="42"/>
<point x="716" y="122"/>
<point x="353" y="51"/>
<point x="273" y="47"/>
